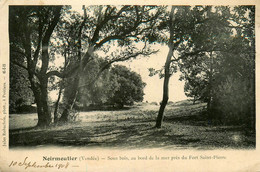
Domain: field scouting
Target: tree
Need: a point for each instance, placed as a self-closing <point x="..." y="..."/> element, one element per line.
<point x="97" y="93"/>
<point x="130" y="87"/>
<point x="110" y="27"/>
<point x="219" y="76"/>
<point x="100" y="28"/>
<point x="29" y="49"/>
<point x="199" y="72"/>
<point x="196" y="88"/>
<point x="210" y="38"/>
<point x="116" y="86"/>
<point x="193" y="32"/>
<point x="235" y="89"/>
<point x="179" y="24"/>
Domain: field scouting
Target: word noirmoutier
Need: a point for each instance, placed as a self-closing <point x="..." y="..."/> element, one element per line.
<point x="68" y="158"/>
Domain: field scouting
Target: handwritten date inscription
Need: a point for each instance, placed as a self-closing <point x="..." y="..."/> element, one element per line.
<point x="29" y="164"/>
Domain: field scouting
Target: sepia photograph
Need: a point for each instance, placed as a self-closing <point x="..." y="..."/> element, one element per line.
<point x="82" y="76"/>
<point x="128" y="77"/>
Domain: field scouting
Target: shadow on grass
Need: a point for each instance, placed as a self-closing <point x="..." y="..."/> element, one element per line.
<point x="134" y="136"/>
<point x="23" y="129"/>
<point x="195" y="119"/>
<point x="101" y="108"/>
<point x="179" y="131"/>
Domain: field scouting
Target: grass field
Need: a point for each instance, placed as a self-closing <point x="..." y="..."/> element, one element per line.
<point x="185" y="126"/>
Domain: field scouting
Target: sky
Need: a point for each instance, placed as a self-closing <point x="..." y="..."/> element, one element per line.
<point x="154" y="86"/>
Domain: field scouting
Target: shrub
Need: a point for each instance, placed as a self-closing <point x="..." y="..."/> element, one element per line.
<point x="233" y="101"/>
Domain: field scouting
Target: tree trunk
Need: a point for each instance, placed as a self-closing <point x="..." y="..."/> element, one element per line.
<point x="71" y="99"/>
<point x="41" y="98"/>
<point x="46" y="109"/>
<point x="57" y="106"/>
<point x="165" y="88"/>
<point x="121" y="105"/>
<point x="210" y="115"/>
<point x="41" y="119"/>
<point x="209" y="101"/>
<point x="74" y="92"/>
<point x="164" y="101"/>
<point x="68" y="107"/>
<point x="83" y="61"/>
<point x="167" y="74"/>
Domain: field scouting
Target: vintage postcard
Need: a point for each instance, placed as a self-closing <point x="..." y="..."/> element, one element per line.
<point x="129" y="85"/>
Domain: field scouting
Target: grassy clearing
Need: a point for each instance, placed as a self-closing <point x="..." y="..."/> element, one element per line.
<point x="184" y="127"/>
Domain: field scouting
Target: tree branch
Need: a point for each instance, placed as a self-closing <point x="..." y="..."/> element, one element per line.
<point x="125" y="34"/>
<point x="36" y="53"/>
<point x="46" y="39"/>
<point x="18" y="64"/>
<point x="19" y="52"/>
<point x="124" y="58"/>
<point x="102" y="23"/>
<point x="55" y="73"/>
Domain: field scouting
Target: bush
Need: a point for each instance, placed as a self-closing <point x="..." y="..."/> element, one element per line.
<point x="233" y="102"/>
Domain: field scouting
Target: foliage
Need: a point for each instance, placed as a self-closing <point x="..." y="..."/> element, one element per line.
<point x="20" y="93"/>
<point x="130" y="88"/>
<point x="117" y="86"/>
<point x="96" y="90"/>
<point x="223" y="74"/>
<point x="196" y="73"/>
<point x="214" y="48"/>
<point x="112" y="31"/>
<point x="233" y="101"/>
